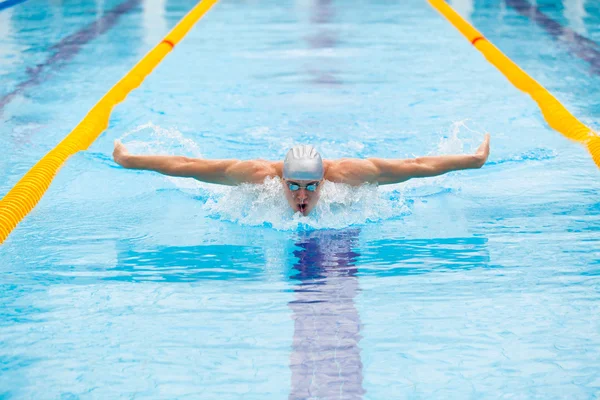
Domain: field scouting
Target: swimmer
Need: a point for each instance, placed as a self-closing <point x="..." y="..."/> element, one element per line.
<point x="303" y="171"/>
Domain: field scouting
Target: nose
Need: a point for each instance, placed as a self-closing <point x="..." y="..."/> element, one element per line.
<point x="302" y="194"/>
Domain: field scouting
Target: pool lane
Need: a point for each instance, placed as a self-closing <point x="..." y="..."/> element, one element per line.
<point x="556" y="115"/>
<point x="29" y="190"/>
<point x="68" y="47"/>
<point x="577" y="45"/>
<point x="464" y="312"/>
<point x="37" y="119"/>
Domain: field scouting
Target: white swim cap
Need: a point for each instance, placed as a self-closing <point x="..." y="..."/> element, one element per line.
<point x="304" y="163"/>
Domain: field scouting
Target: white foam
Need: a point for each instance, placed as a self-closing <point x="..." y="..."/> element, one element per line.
<point x="340" y="206"/>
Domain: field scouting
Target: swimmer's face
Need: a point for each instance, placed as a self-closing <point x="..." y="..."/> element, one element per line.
<point x="302" y="200"/>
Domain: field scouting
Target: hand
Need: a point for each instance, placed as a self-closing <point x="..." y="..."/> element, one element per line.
<point x="483" y="151"/>
<point x="120" y="154"/>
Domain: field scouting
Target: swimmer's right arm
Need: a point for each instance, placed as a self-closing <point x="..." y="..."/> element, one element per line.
<point x="223" y="172"/>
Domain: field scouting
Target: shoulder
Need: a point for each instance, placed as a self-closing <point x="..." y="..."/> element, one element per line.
<point x="256" y="171"/>
<point x="270" y="168"/>
<point x="353" y="171"/>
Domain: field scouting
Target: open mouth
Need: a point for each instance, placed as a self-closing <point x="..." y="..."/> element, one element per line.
<point x="302" y="208"/>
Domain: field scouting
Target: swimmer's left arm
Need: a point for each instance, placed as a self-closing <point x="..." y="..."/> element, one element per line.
<point x="388" y="171"/>
<point x="395" y="171"/>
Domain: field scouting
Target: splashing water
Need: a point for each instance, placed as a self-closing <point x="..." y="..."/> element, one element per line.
<point x="453" y="144"/>
<point x="159" y="140"/>
<point x="340" y="206"/>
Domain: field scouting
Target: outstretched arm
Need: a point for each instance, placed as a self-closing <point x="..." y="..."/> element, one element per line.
<point x="224" y="172"/>
<point x="387" y="171"/>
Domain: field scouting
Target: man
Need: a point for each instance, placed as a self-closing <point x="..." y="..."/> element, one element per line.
<point x="303" y="171"/>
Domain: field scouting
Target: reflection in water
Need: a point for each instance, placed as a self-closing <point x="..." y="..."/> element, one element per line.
<point x="154" y="22"/>
<point x="192" y="263"/>
<point x="574" y="11"/>
<point x="8" y="50"/>
<point x="325" y="360"/>
<point x="326" y="267"/>
<point x="321" y="14"/>
<point x="396" y="257"/>
<point x="463" y="7"/>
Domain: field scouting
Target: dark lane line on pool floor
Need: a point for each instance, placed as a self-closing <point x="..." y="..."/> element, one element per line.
<point x="325" y="361"/>
<point x="322" y="14"/>
<point x="10" y="3"/>
<point x="576" y="44"/>
<point x="68" y="47"/>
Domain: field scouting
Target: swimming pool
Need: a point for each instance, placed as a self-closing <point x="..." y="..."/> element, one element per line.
<point x="124" y="284"/>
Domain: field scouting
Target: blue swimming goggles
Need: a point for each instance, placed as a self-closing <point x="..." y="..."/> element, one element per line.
<point x="311" y="187"/>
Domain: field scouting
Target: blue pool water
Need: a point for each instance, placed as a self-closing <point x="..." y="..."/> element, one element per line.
<point x="126" y="284"/>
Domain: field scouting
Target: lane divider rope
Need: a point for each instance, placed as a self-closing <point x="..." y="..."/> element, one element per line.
<point x="168" y="42"/>
<point x="555" y="114"/>
<point x="478" y="38"/>
<point x="25" y="195"/>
